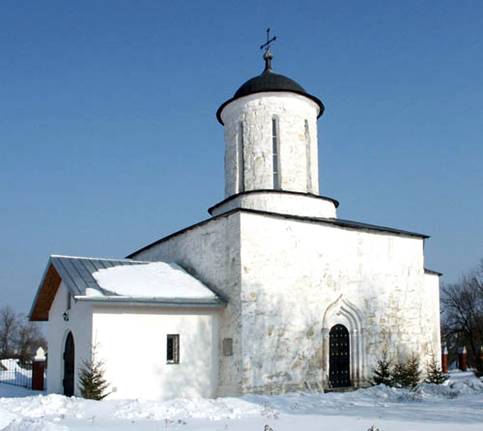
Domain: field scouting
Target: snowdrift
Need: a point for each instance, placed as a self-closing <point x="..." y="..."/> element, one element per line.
<point x="56" y="412"/>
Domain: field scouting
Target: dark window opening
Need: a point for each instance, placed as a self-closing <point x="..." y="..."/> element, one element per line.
<point x="172" y="349"/>
<point x="275" y="154"/>
<point x="227" y="346"/>
<point x="307" y="154"/>
<point x="241" y="161"/>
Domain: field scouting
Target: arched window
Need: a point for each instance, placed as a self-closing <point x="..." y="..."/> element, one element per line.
<point x="275" y="153"/>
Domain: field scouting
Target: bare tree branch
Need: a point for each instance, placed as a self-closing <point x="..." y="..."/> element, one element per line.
<point x="462" y="314"/>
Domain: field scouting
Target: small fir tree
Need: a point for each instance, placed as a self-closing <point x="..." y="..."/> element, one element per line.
<point x="399" y="375"/>
<point x="382" y="372"/>
<point x="93" y="386"/>
<point x="413" y="373"/>
<point x="434" y="374"/>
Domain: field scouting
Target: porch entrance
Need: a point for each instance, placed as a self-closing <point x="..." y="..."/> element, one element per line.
<point x="69" y="351"/>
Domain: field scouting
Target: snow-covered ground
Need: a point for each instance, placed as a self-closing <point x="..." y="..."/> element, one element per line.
<point x="457" y="405"/>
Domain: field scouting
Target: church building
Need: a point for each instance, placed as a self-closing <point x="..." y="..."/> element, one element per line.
<point x="272" y="293"/>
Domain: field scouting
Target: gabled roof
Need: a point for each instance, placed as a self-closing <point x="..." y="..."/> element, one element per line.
<point x="81" y="277"/>
<point x="76" y="272"/>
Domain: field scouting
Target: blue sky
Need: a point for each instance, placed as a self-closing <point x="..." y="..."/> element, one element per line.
<point x="108" y="136"/>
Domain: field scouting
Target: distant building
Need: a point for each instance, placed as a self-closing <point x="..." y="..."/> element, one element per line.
<point x="272" y="293"/>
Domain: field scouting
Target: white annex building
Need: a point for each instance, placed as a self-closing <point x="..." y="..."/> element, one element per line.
<point x="272" y="293"/>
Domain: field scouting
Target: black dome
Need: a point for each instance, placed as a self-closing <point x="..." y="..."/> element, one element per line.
<point x="269" y="82"/>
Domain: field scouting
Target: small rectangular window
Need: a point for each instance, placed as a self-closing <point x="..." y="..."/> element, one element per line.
<point x="172" y="349"/>
<point x="69" y="300"/>
<point x="228" y="346"/>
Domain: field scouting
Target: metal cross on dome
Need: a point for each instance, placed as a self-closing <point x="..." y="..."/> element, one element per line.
<point x="267" y="55"/>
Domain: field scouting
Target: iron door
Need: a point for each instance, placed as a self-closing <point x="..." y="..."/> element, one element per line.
<point x="339" y="357"/>
<point x="69" y="366"/>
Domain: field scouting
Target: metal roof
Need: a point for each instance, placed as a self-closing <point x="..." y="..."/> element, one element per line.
<point x="350" y="224"/>
<point x="368" y="226"/>
<point x="271" y="82"/>
<point x="76" y="272"/>
<point x="275" y="192"/>
<point x="77" y="275"/>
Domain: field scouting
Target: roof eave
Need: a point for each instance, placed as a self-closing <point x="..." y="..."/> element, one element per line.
<point x="272" y="191"/>
<point x="163" y="302"/>
<point x="431" y="272"/>
<point x="31" y="316"/>
<point x="37" y="294"/>
<point x="300" y="93"/>
<point x="328" y="221"/>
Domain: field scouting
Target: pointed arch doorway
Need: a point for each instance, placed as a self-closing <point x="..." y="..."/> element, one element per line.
<point x="69" y="352"/>
<point x="353" y="337"/>
<point x="339" y="357"/>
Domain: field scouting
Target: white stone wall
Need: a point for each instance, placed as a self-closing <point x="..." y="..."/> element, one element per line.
<point x="282" y="203"/>
<point x="211" y="253"/>
<point x="289" y="281"/>
<point x="80" y="324"/>
<point x="298" y="158"/>
<point x="299" y="279"/>
<point x="431" y="308"/>
<point x="131" y="341"/>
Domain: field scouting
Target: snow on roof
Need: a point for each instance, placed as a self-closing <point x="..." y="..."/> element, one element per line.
<point x="153" y="280"/>
<point x="121" y="281"/>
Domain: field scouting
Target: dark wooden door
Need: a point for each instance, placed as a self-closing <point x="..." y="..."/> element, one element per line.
<point x="339" y="357"/>
<point x="69" y="366"/>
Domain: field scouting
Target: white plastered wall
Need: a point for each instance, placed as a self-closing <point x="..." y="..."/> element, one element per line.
<point x="300" y="278"/>
<point x="131" y="342"/>
<point x="298" y="167"/>
<point x="431" y="310"/>
<point x="80" y="324"/>
<point x="211" y="253"/>
<point x="297" y="280"/>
